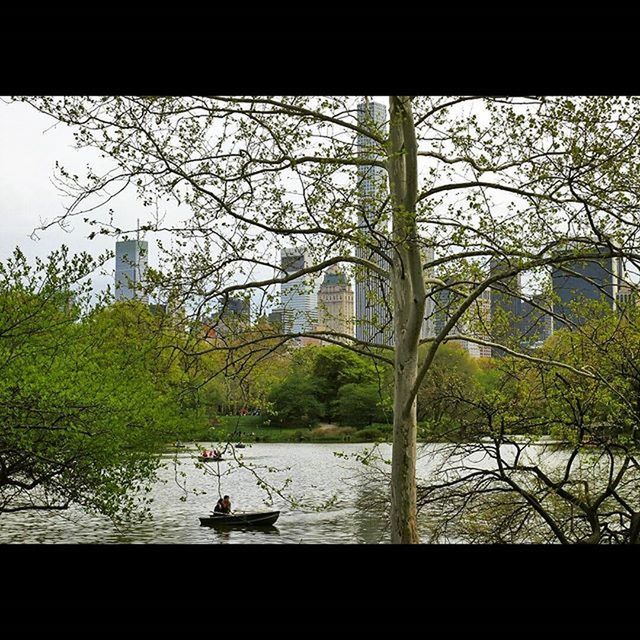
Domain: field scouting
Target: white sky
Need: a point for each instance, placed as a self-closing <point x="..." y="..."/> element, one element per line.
<point x="29" y="148"/>
<point x="30" y="144"/>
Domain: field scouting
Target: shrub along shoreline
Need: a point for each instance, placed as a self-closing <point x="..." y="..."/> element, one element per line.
<point x="248" y="429"/>
<point x="255" y="429"/>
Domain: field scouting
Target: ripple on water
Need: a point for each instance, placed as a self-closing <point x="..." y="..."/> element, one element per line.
<point x="316" y="475"/>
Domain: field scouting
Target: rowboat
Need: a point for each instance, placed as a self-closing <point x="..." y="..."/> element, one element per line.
<point x="210" y="458"/>
<point x="239" y="519"/>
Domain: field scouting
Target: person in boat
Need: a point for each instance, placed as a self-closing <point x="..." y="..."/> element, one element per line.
<point x="219" y="508"/>
<point x="215" y="453"/>
<point x="226" y="505"/>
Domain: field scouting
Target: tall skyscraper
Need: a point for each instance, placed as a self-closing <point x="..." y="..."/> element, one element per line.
<point x="506" y="306"/>
<point x="298" y="297"/>
<point x="517" y="320"/>
<point x="474" y="322"/>
<point x="442" y="308"/>
<point x="581" y="280"/>
<point x="373" y="295"/>
<point x="131" y="266"/>
<point x="428" y="324"/>
<point x="335" y="302"/>
<point x="480" y="327"/>
<point x="536" y="325"/>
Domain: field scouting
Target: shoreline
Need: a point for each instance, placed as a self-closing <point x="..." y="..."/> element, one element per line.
<point x="252" y="429"/>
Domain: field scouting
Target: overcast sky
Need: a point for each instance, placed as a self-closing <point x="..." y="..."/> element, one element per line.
<point x="30" y="144"/>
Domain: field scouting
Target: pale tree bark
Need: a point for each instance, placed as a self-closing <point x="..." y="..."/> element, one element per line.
<point x="409" y="302"/>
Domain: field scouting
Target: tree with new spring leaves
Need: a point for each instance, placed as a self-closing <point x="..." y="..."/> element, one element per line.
<point x="557" y="460"/>
<point x="532" y="183"/>
<point x="89" y="393"/>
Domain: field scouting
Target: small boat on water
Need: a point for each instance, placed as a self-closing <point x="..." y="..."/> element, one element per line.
<point x="210" y="455"/>
<point x="240" y="445"/>
<point x="239" y="519"/>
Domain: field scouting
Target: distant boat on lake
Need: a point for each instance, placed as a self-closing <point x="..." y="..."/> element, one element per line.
<point x="210" y="456"/>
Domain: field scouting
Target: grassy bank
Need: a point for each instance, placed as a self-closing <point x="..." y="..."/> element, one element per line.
<point x="255" y="429"/>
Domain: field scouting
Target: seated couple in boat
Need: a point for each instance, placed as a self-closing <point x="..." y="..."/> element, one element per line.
<point x="207" y="453"/>
<point x="223" y="506"/>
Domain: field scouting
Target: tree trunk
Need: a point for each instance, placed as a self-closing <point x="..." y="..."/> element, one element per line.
<point x="409" y="302"/>
<point x="403" y="466"/>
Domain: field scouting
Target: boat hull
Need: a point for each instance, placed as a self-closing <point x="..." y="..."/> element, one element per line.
<point x="263" y="519"/>
<point x="209" y="459"/>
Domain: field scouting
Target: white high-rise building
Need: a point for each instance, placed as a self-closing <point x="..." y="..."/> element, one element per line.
<point x="428" y="324"/>
<point x="373" y="294"/>
<point x="132" y="259"/>
<point x="298" y="297"/>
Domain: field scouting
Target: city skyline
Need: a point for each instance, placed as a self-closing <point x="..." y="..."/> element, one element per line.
<point x="38" y="146"/>
<point x="326" y="301"/>
<point x="582" y="280"/>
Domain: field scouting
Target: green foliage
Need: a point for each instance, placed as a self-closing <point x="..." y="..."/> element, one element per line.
<point x="383" y="433"/>
<point x="583" y="385"/>
<point x="358" y="404"/>
<point x="600" y="397"/>
<point x="296" y="403"/>
<point x="335" y="366"/>
<point x="330" y="383"/>
<point x="87" y="396"/>
<point x="453" y="379"/>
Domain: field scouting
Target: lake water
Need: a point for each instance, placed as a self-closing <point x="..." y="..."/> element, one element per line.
<point x="187" y="490"/>
<point x="325" y="498"/>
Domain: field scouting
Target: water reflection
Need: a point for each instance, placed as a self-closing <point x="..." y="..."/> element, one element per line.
<point x="187" y="490"/>
<point x="243" y="534"/>
<point x="370" y="513"/>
